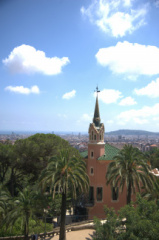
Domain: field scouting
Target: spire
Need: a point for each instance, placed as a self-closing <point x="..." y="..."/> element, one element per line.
<point x="96" y="119"/>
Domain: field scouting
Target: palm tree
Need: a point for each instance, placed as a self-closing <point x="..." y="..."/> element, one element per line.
<point x="5" y="203"/>
<point x="130" y="170"/>
<point x="152" y="194"/>
<point x="64" y="174"/>
<point x="23" y="207"/>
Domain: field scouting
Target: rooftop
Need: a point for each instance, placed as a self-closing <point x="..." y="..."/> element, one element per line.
<point x="110" y="153"/>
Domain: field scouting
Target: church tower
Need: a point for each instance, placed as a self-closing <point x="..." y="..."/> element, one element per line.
<point x="96" y="144"/>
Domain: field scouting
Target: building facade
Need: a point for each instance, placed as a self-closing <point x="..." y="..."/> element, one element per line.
<point x="98" y="157"/>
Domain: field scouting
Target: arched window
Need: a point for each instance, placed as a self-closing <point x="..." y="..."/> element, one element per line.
<point x="92" y="154"/>
<point x="92" y="171"/>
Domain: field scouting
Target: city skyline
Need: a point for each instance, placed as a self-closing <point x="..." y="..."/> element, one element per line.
<point x="54" y="53"/>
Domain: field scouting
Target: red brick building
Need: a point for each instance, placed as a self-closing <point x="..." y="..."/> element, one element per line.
<point x="98" y="156"/>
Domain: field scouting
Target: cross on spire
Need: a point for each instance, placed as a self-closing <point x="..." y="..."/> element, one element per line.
<point x="97" y="91"/>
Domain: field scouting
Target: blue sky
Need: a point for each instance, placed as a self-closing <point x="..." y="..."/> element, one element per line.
<point x="53" y="54"/>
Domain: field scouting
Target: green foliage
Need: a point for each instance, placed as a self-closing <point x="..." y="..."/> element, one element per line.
<point x="64" y="174"/>
<point x="21" y="164"/>
<point x="129" y="169"/>
<point x="55" y="205"/>
<point x="106" y="230"/>
<point x="37" y="227"/>
<point x="34" y="152"/>
<point x="153" y="192"/>
<point x="153" y="157"/>
<point x="142" y="222"/>
<point x="134" y="222"/>
<point x="24" y="207"/>
<point x="6" y="152"/>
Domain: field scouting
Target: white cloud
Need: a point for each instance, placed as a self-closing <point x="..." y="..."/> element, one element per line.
<point x="128" y="3"/>
<point x="129" y="58"/>
<point x="151" y="90"/>
<point x="86" y="118"/>
<point x="115" y="16"/>
<point x="109" y="95"/>
<point x="110" y="122"/>
<point x="128" y="101"/>
<point x="140" y="116"/>
<point x="69" y="95"/>
<point x="26" y="59"/>
<point x="23" y="90"/>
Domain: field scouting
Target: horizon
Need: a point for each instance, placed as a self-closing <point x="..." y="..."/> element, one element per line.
<point x="10" y="132"/>
<point x="55" y="53"/>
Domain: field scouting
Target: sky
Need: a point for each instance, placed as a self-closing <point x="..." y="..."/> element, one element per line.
<point x="54" y="53"/>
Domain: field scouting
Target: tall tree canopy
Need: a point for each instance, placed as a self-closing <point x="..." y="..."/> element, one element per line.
<point x="129" y="170"/>
<point x="65" y="173"/>
<point x="21" y="165"/>
<point x="33" y="152"/>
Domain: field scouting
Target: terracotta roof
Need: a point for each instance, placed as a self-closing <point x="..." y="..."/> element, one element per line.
<point x="153" y="145"/>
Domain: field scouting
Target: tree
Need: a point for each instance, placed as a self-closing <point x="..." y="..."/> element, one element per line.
<point x="107" y="229"/>
<point x="153" y="157"/>
<point x="6" y="152"/>
<point x="34" y="152"/>
<point x="130" y="170"/>
<point x="134" y="223"/>
<point x="23" y="207"/>
<point x="65" y="173"/>
<point x="153" y="192"/>
<point x="5" y="203"/>
<point x="141" y="222"/>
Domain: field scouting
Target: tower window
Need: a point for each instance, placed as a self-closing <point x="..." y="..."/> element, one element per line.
<point x="94" y="137"/>
<point x="99" y="193"/>
<point x="115" y="193"/>
<point x="92" y="154"/>
<point x="92" y="170"/>
<point x="100" y="137"/>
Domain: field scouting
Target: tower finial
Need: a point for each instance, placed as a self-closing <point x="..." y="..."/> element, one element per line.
<point x="97" y="91"/>
<point x="96" y="118"/>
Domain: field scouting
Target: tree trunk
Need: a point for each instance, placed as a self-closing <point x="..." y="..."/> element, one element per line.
<point x="129" y="192"/>
<point x="63" y="216"/>
<point x="12" y="183"/>
<point x="26" y="227"/>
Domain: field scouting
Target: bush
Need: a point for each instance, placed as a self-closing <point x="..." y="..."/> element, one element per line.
<point x="34" y="227"/>
<point x="140" y="222"/>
